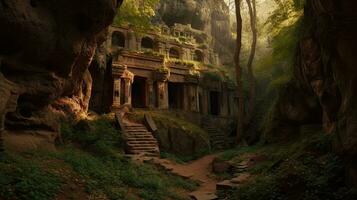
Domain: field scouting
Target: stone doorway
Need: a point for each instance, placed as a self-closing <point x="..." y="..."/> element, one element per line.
<point x="138" y="92"/>
<point x="176" y="95"/>
<point x="215" y="103"/>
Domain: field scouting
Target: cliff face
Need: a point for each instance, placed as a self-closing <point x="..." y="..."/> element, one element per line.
<point x="210" y="16"/>
<point x="326" y="76"/>
<point x="45" y="50"/>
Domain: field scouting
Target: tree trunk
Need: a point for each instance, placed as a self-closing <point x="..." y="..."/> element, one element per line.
<point x="239" y="74"/>
<point x="251" y="79"/>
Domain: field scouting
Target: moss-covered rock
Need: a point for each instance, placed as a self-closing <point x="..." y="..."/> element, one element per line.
<point x="176" y="135"/>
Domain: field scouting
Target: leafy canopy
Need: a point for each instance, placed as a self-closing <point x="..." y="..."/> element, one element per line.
<point x="136" y="13"/>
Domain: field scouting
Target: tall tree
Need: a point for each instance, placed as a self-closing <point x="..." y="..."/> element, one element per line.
<point x="251" y="79"/>
<point x="239" y="73"/>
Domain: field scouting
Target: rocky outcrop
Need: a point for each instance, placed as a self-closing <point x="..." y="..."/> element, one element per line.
<point x="45" y="50"/>
<point x="326" y="70"/>
<point x="180" y="141"/>
<point x="212" y="17"/>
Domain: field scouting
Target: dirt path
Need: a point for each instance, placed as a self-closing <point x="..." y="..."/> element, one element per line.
<point x="199" y="170"/>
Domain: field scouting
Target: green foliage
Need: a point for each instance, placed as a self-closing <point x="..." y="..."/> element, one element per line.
<point x="170" y="119"/>
<point x="153" y="53"/>
<point x="106" y="171"/>
<point x="114" y="175"/>
<point x="302" y="169"/>
<point x="24" y="179"/>
<point x="166" y="120"/>
<point x="189" y="63"/>
<point x="98" y="136"/>
<point x="163" y="69"/>
<point x="286" y="13"/>
<point x="212" y="75"/>
<point x="136" y="13"/>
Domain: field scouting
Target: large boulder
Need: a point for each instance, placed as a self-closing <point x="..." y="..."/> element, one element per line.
<point x="45" y="50"/>
<point x="180" y="140"/>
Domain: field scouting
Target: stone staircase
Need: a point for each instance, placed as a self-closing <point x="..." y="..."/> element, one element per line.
<point x="140" y="141"/>
<point x="217" y="137"/>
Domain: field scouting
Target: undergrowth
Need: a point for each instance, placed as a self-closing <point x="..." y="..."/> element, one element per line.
<point x="22" y="178"/>
<point x="92" y="150"/>
<point x="303" y="169"/>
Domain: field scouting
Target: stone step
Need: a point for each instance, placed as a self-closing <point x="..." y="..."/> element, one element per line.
<point x="143" y="145"/>
<point x="154" y="152"/>
<point x="140" y="136"/>
<point x="136" y="130"/>
<point x="226" y="185"/>
<point x="140" y="151"/>
<point x="141" y="140"/>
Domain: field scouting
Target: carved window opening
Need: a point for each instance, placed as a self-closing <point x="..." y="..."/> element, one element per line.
<point x="198" y="56"/>
<point x="174" y="53"/>
<point x="118" y="39"/>
<point x="147" y="43"/>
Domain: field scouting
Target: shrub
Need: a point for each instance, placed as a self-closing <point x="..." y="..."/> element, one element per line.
<point x="98" y="136"/>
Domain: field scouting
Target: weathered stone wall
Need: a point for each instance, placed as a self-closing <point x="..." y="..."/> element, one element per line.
<point x="325" y="86"/>
<point x="45" y="50"/>
<point x="211" y="16"/>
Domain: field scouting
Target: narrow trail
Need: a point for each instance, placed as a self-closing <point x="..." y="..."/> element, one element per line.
<point x="199" y="170"/>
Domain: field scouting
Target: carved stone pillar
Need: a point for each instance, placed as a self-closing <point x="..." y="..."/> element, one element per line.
<point x="162" y="89"/>
<point x="127" y="92"/>
<point x="132" y="44"/>
<point x="205" y="102"/>
<point x="161" y="48"/>
<point x="163" y="95"/>
<point x="116" y="92"/>
<point x="138" y="43"/>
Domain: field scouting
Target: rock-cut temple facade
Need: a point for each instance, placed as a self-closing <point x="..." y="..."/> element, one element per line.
<point x="163" y="69"/>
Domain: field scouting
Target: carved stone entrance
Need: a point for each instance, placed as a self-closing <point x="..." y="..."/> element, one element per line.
<point x="139" y="92"/>
<point x="176" y="95"/>
<point x="215" y="108"/>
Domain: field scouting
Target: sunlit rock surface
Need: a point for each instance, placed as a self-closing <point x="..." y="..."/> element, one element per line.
<point x="45" y="50"/>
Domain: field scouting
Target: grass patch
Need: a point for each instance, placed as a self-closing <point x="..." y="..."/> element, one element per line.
<point x="92" y="153"/>
<point x="97" y="136"/>
<point x="113" y="175"/>
<point x="22" y="178"/>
